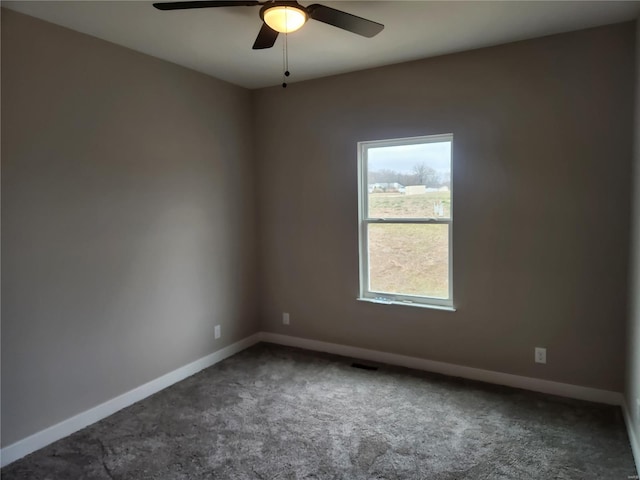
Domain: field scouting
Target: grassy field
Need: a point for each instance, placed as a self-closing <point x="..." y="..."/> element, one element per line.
<point x="389" y="205"/>
<point x="409" y="259"/>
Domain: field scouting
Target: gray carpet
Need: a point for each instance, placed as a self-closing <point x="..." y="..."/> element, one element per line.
<point x="273" y="412"/>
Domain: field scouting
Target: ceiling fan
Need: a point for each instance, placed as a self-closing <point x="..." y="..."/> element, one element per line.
<point x="279" y="16"/>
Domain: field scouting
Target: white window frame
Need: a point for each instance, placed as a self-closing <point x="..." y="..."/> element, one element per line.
<point x="364" y="221"/>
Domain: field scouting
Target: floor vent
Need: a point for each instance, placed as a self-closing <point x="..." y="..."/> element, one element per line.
<point x="363" y="366"/>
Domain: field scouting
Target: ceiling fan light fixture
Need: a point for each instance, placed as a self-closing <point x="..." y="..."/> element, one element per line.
<point x="285" y="19"/>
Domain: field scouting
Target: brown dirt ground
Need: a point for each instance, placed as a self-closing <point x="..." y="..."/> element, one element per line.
<point x="408" y="258"/>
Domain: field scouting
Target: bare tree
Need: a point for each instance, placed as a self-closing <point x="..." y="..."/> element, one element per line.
<point x="425" y="175"/>
<point x="383" y="176"/>
<point x="420" y="171"/>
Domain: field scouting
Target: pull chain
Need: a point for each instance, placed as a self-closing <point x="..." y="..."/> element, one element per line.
<point x="285" y="53"/>
<point x="285" y="59"/>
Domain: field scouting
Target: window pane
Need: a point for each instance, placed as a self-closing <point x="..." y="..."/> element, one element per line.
<point x="409" y="259"/>
<point x="407" y="181"/>
<point x="418" y="204"/>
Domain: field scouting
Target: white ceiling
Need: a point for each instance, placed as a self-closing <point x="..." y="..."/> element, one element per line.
<point x="218" y="41"/>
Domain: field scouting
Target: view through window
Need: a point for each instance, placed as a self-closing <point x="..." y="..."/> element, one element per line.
<point x="406" y="220"/>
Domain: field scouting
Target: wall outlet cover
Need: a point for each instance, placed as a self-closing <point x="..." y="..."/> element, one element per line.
<point x="216" y="331"/>
<point x="285" y="318"/>
<point x="540" y="355"/>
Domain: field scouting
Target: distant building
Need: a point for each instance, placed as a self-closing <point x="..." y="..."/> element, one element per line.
<point x="416" y="189"/>
<point x="386" y="187"/>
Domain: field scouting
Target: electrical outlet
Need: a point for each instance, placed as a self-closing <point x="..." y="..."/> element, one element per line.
<point x="285" y="318"/>
<point x="216" y="331"/>
<point x="541" y="355"/>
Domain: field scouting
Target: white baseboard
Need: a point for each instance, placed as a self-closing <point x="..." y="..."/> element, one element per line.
<point x="527" y="383"/>
<point x="633" y="439"/>
<point x="60" y="430"/>
<point x="51" y="434"/>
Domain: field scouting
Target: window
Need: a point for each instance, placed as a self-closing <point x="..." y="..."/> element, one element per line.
<point x="405" y="215"/>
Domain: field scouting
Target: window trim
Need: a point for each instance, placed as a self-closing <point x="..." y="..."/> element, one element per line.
<point x="364" y="221"/>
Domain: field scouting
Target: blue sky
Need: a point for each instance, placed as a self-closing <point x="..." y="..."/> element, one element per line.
<point x="402" y="158"/>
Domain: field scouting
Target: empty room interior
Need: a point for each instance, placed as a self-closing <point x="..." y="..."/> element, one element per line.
<point x="346" y="240"/>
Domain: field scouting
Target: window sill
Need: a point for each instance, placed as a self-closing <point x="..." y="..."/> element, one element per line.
<point x="408" y="304"/>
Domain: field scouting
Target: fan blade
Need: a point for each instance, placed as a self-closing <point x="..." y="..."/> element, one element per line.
<point x="344" y="20"/>
<point x="204" y="4"/>
<point x="266" y="38"/>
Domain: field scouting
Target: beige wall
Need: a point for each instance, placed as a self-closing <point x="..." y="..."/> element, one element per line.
<point x="128" y="212"/>
<point x="633" y="335"/>
<point x="542" y="159"/>
<point x="128" y="220"/>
